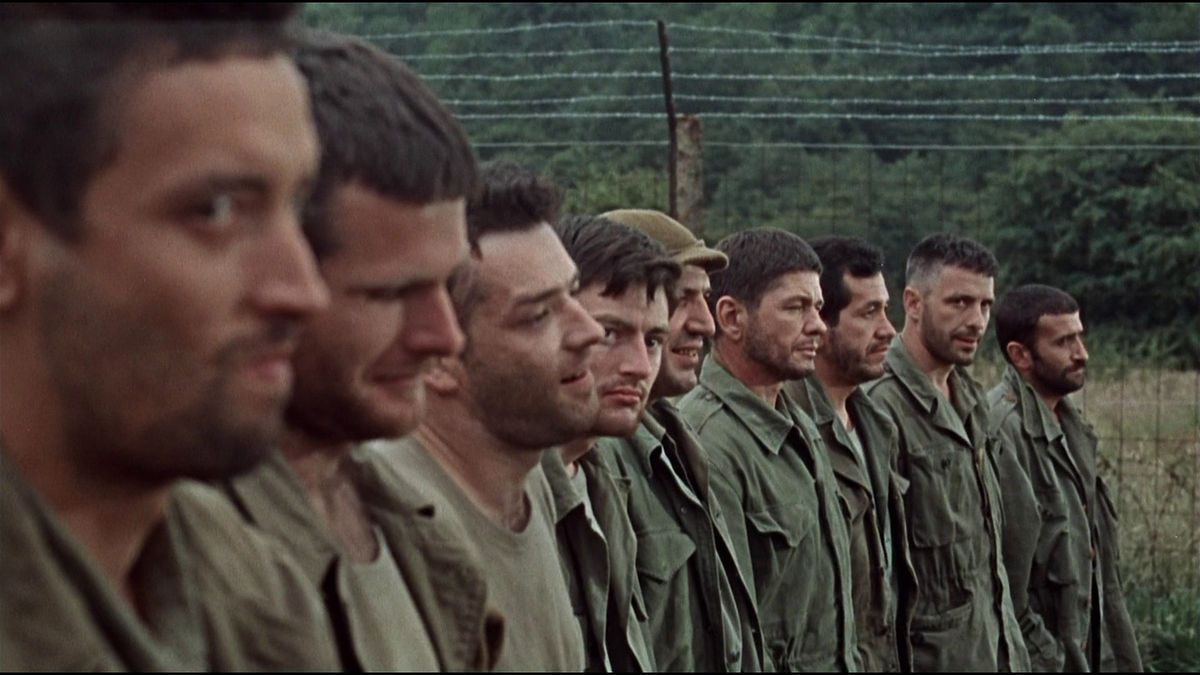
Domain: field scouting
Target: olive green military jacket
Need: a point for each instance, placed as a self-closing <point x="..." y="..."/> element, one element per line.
<point x="443" y="576"/>
<point x="217" y="597"/>
<point x="1047" y="470"/>
<point x="963" y="616"/>
<point x="701" y="607"/>
<point x="872" y="492"/>
<point x="600" y="567"/>
<point x="773" y="479"/>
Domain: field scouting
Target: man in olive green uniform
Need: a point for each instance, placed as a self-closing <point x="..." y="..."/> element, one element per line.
<point x="146" y="315"/>
<point x="625" y="279"/>
<point x="702" y="614"/>
<point x="521" y="385"/>
<point x="1056" y="535"/>
<point x="861" y="441"/>
<point x="771" y="467"/>
<point x="963" y="617"/>
<point x="402" y="589"/>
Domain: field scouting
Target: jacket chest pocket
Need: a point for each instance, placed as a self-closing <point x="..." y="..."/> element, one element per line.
<point x="776" y="535"/>
<point x="943" y="498"/>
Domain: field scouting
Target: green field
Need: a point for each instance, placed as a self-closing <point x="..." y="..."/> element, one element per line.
<point x="1148" y="422"/>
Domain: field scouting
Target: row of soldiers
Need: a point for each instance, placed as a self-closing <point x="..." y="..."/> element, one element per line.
<point x="290" y="383"/>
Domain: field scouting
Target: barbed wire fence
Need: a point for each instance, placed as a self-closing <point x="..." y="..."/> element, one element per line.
<point x="594" y="118"/>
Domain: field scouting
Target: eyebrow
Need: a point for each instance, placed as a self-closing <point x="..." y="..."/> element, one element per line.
<point x="231" y="183"/>
<point x="542" y="296"/>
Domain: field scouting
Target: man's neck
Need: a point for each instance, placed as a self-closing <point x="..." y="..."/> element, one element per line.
<point x="747" y="371"/>
<point x="490" y="471"/>
<point x="574" y="451"/>
<point x="323" y="469"/>
<point x="836" y="390"/>
<point x="110" y="515"/>
<point x="1052" y="401"/>
<point x="936" y="370"/>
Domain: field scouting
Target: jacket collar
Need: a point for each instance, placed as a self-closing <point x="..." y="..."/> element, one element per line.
<point x="769" y="426"/>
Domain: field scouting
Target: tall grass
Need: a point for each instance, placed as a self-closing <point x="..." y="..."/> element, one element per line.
<point x="1148" y="423"/>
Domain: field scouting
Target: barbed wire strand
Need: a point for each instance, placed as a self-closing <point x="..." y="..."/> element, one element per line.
<point x="921" y="117"/>
<point x="845" y="146"/>
<point x="766" y="77"/>
<point x="556" y="25"/>
<point x="603" y="98"/>
<point x="917" y="46"/>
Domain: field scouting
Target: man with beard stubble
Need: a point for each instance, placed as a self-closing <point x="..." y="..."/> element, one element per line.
<point x="1060" y="533"/>
<point x="700" y="604"/>
<point x="861" y="441"/>
<point x="153" y="279"/>
<point x="521" y="385"/>
<point x="386" y="220"/>
<point x="624" y="279"/>
<point x="962" y="614"/>
<point x="775" y="482"/>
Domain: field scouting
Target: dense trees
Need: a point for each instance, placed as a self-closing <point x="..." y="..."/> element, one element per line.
<point x="1120" y="228"/>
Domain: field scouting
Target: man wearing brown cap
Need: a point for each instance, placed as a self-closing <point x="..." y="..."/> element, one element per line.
<point x="701" y="607"/>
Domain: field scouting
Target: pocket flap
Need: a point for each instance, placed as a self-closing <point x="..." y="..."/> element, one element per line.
<point x="660" y="555"/>
<point x="785" y="523"/>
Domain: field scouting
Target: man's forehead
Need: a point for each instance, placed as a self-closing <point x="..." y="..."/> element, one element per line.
<point x="1055" y="325"/>
<point x="694" y="277"/>
<point x="516" y="265"/>
<point x="866" y="289"/>
<point x="954" y="278"/>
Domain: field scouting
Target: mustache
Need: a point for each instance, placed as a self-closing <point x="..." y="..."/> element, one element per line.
<point x="277" y="334"/>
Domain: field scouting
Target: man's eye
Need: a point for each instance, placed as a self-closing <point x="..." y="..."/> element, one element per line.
<point x="385" y="294"/>
<point x="218" y="210"/>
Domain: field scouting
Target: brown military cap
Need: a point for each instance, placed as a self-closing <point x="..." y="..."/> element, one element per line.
<point x="683" y="246"/>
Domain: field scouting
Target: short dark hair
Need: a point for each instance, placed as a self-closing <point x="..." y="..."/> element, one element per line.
<point x="936" y="251"/>
<point x="65" y="66"/>
<point x="841" y="256"/>
<point x="757" y="259"/>
<point x="381" y="126"/>
<point x="617" y="256"/>
<point x="1018" y="313"/>
<point x="511" y="198"/>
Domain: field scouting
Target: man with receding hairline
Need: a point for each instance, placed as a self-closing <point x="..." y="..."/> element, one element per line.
<point x="1060" y="528"/>
<point x="962" y="615"/>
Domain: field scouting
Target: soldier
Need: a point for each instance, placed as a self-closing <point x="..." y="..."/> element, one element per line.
<point x="522" y="384"/>
<point x="387" y="221"/>
<point x="700" y="604"/>
<point x="772" y="469"/>
<point x="861" y="441"/>
<point x="624" y="280"/>
<point x="962" y="615"/>
<point x="1060" y="538"/>
<point x="153" y="277"/>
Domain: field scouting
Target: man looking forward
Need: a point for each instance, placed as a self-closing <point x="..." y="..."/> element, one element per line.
<point x="776" y="482"/>
<point x="1060" y="527"/>
<point x="861" y="441"/>
<point x="962" y="615"/>
<point x="386" y="220"/>
<point x="521" y="385"/>
<point x="153" y="280"/>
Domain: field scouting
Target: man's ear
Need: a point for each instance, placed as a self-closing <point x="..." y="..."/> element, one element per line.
<point x="444" y="377"/>
<point x="731" y="318"/>
<point x="913" y="304"/>
<point x="15" y="222"/>
<point x="1020" y="355"/>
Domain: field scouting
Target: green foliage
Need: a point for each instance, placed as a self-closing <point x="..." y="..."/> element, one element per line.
<point x="1120" y="230"/>
<point x="1168" y="628"/>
